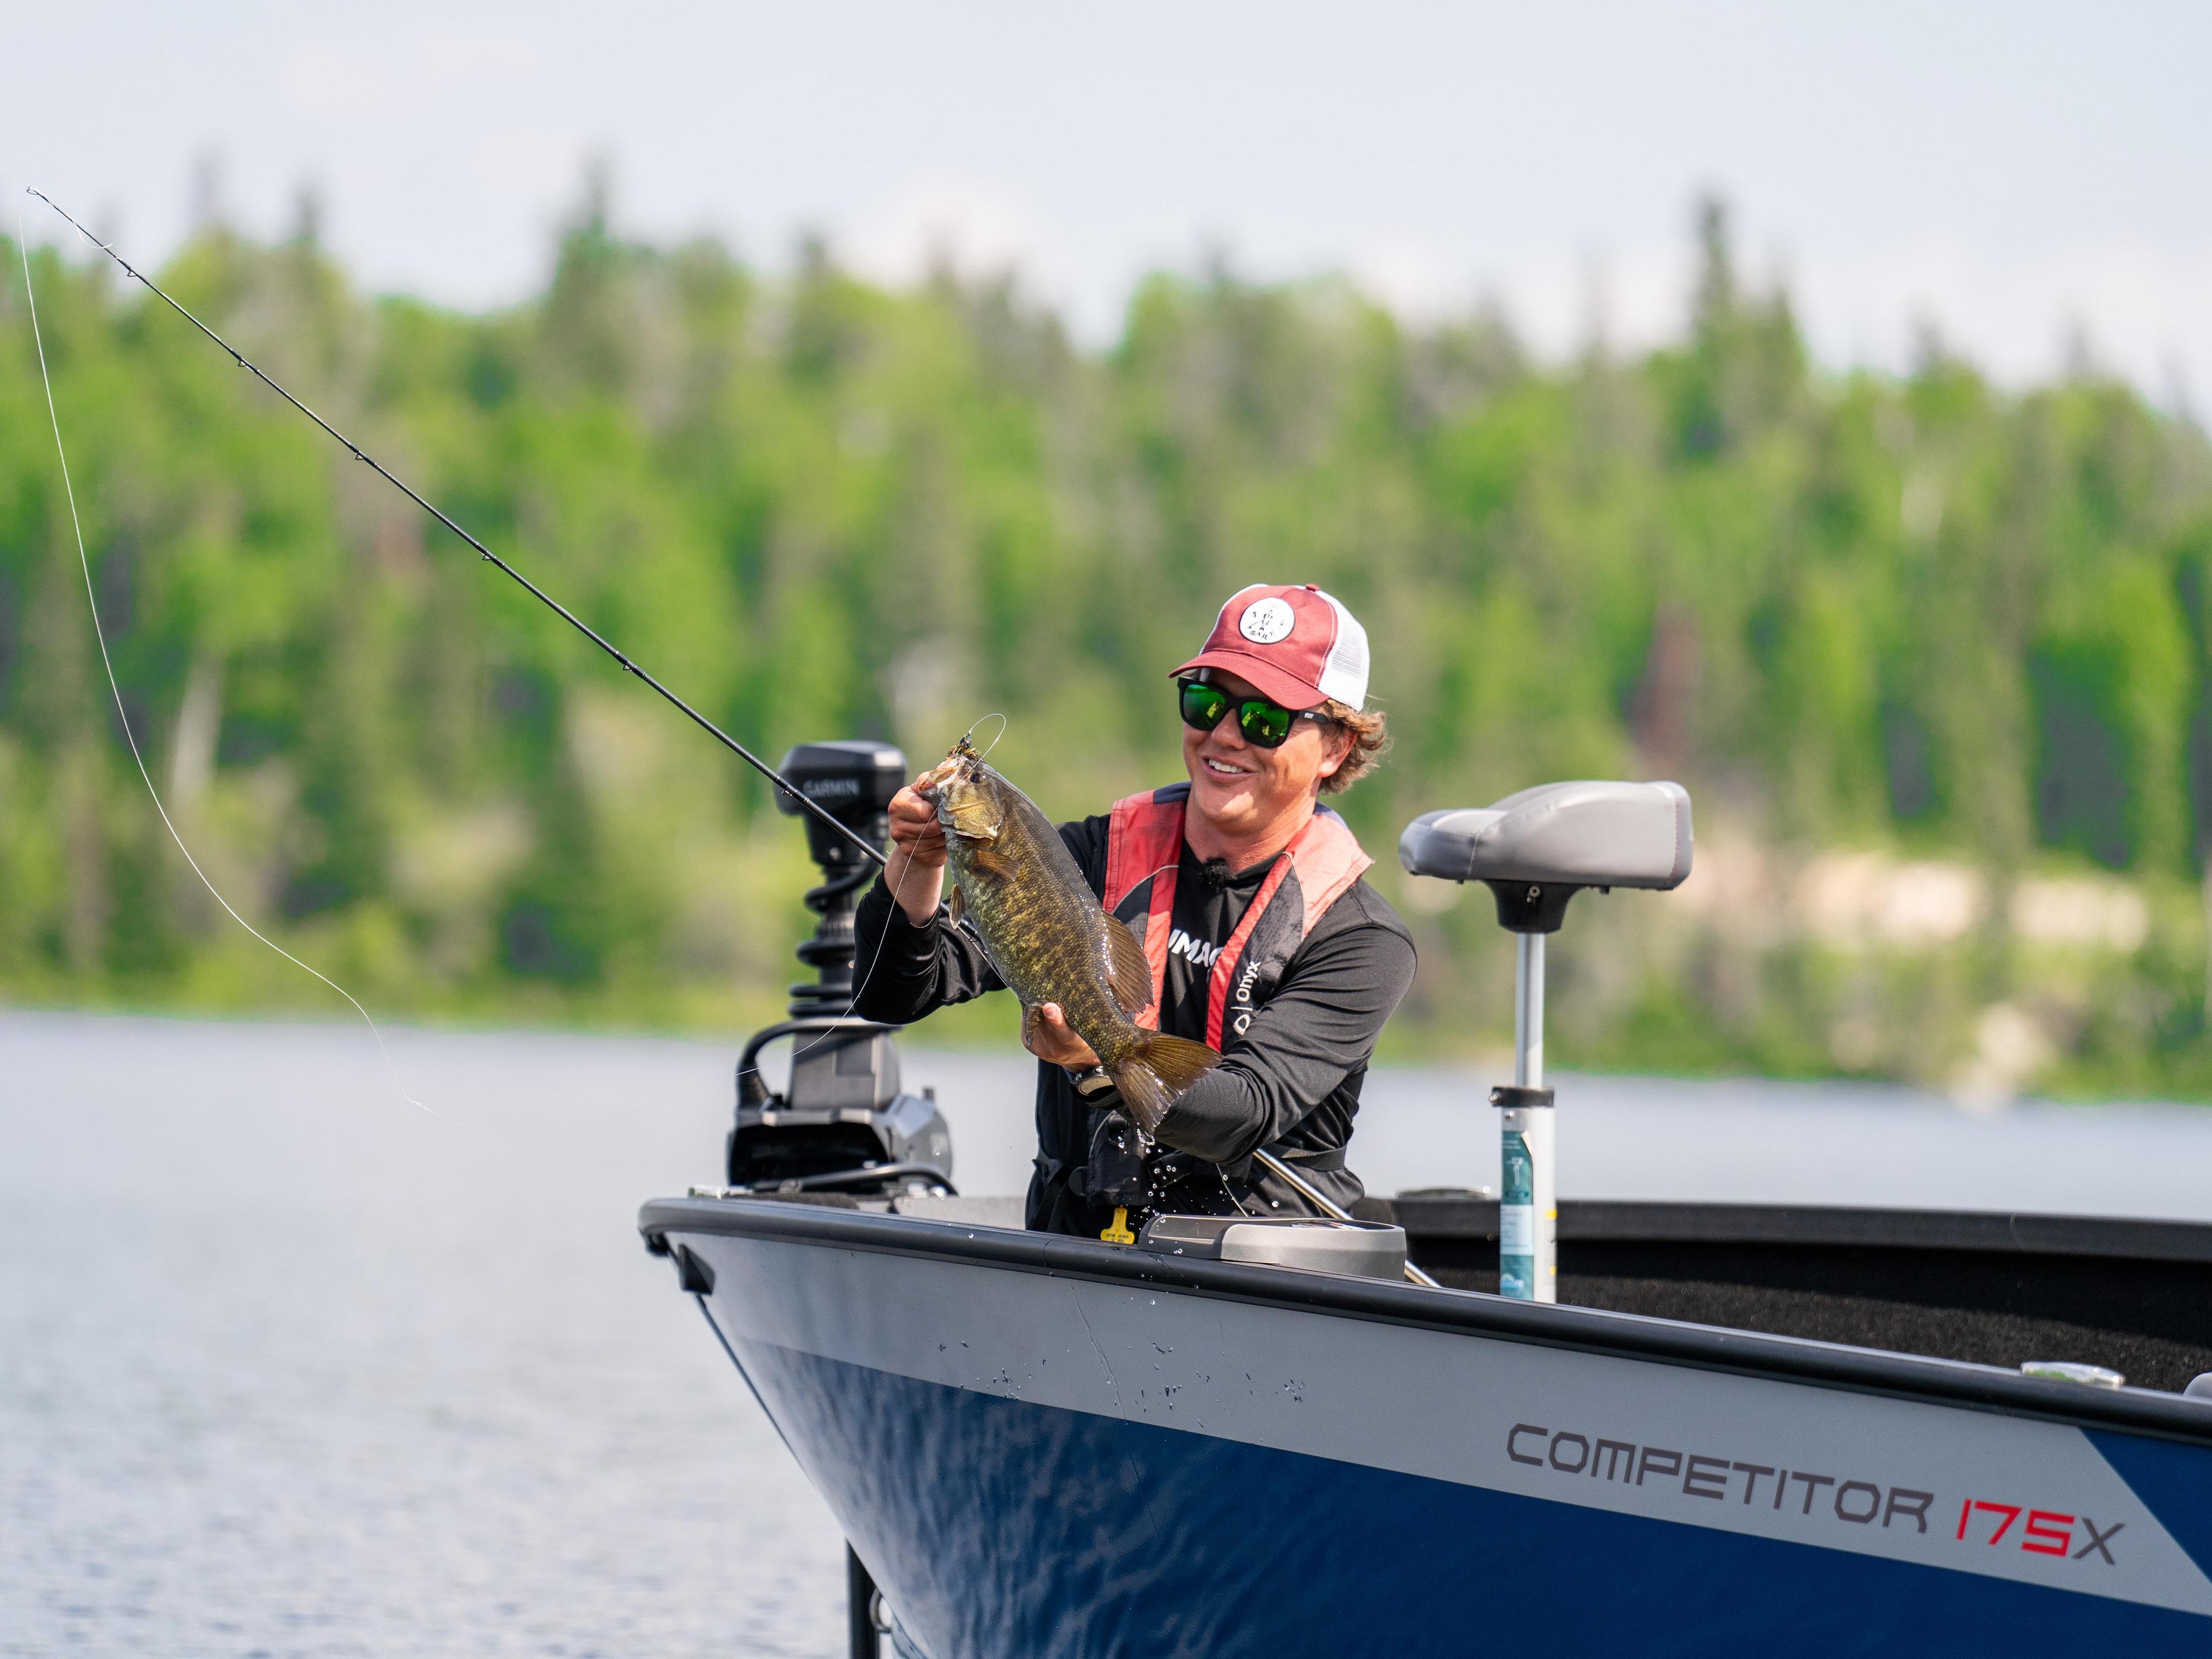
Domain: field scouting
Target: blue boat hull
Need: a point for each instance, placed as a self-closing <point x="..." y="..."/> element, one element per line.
<point x="1059" y="1453"/>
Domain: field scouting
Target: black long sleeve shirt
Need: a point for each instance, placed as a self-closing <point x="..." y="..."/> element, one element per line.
<point x="1290" y="1082"/>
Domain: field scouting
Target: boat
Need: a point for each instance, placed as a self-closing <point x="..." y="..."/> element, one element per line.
<point x="1041" y="1445"/>
<point x="1688" y="1428"/>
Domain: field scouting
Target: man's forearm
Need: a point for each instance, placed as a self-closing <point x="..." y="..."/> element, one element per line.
<point x="896" y="977"/>
<point x="918" y="887"/>
<point x="902" y="969"/>
<point x="1222" y="1117"/>
<point x="1297" y="1050"/>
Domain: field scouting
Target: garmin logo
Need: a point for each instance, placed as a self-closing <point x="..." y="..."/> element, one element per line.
<point x="830" y="788"/>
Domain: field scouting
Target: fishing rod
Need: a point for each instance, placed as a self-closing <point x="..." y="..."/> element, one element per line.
<point x="537" y="592"/>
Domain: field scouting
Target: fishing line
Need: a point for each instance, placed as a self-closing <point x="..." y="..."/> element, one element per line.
<point x="861" y="985"/>
<point x="99" y="634"/>
<point x="898" y="890"/>
<point x="538" y="593"/>
<point x="970" y="738"/>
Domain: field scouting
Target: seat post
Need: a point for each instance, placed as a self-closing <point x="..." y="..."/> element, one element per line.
<point x="1528" y="1205"/>
<point x="1528" y="1011"/>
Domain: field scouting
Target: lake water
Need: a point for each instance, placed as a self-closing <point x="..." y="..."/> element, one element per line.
<point x="290" y="1367"/>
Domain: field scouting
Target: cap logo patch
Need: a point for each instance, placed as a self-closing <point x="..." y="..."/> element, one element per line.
<point x="1266" y="621"/>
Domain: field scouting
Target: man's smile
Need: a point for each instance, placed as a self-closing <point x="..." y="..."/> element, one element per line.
<point x="1225" y="769"/>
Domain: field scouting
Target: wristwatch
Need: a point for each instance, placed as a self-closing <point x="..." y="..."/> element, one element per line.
<point x="1091" y="1082"/>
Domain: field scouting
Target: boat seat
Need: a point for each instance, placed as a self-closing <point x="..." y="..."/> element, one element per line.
<point x="1571" y="834"/>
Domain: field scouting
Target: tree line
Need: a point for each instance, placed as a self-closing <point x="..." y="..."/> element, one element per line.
<point x="1912" y="611"/>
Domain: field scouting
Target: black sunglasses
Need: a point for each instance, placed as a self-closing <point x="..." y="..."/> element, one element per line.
<point x="1263" y="723"/>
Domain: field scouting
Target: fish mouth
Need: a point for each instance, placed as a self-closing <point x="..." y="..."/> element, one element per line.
<point x="931" y="784"/>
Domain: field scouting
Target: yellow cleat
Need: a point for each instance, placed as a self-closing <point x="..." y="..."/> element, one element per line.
<point x="1118" y="1233"/>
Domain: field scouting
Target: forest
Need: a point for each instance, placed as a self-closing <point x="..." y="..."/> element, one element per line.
<point x="1931" y="654"/>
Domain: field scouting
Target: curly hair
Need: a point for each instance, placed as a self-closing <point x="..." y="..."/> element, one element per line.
<point x="1371" y="738"/>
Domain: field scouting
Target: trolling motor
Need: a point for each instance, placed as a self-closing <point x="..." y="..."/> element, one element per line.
<point x="1535" y="851"/>
<point x="842" y="1123"/>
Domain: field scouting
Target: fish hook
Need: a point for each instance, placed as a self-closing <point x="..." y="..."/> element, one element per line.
<point x="968" y="738"/>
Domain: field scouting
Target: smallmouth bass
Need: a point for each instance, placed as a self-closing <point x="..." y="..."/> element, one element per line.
<point x="1048" y="937"/>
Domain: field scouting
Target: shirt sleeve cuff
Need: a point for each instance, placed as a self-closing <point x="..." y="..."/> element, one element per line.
<point x="878" y="899"/>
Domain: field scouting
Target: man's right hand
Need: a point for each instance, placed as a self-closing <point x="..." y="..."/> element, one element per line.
<point x="915" y="869"/>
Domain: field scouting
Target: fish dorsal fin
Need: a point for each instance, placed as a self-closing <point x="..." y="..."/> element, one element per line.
<point x="1126" y="971"/>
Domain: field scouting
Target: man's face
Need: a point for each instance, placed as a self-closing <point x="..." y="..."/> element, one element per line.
<point x="1241" y="788"/>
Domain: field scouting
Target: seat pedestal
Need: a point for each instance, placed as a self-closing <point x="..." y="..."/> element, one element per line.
<point x="1528" y="1198"/>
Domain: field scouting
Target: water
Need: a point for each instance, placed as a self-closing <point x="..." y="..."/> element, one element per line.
<point x="289" y="1367"/>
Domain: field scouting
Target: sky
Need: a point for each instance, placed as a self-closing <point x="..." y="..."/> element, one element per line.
<point x="2032" y="181"/>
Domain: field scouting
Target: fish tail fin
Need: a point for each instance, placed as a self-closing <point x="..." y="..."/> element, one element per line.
<point x="1156" y="1071"/>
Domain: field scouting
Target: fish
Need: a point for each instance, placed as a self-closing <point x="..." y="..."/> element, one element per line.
<point x="1048" y="937"/>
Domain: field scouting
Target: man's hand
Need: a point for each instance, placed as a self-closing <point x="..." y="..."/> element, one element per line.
<point x="915" y="869"/>
<point x="1046" y="1034"/>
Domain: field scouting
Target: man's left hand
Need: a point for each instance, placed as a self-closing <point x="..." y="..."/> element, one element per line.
<point x="1046" y="1034"/>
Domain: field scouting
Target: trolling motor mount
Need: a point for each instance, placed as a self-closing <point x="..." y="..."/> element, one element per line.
<point x="842" y="1122"/>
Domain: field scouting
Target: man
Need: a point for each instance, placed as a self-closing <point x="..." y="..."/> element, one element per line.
<point x="1264" y="940"/>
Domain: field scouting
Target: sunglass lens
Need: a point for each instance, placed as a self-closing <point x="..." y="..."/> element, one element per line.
<point x="1203" y="705"/>
<point x="1263" y="723"/>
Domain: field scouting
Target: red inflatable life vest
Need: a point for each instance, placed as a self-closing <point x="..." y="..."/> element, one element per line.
<point x="1144" y="844"/>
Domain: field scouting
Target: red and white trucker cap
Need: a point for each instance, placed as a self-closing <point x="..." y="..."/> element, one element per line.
<point x="1297" y="646"/>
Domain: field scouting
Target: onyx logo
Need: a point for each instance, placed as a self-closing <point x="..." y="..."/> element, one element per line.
<point x="1244" y="984"/>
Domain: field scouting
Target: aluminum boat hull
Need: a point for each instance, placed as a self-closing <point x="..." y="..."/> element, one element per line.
<point x="1044" y="1446"/>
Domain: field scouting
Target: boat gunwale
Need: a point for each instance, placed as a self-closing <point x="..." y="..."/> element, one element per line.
<point x="1637" y="1336"/>
<point x="2001" y="1232"/>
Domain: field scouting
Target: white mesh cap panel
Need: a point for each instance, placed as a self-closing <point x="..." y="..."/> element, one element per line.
<point x="1344" y="676"/>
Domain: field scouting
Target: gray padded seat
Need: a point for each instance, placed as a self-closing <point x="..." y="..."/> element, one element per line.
<point x="1579" y="834"/>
